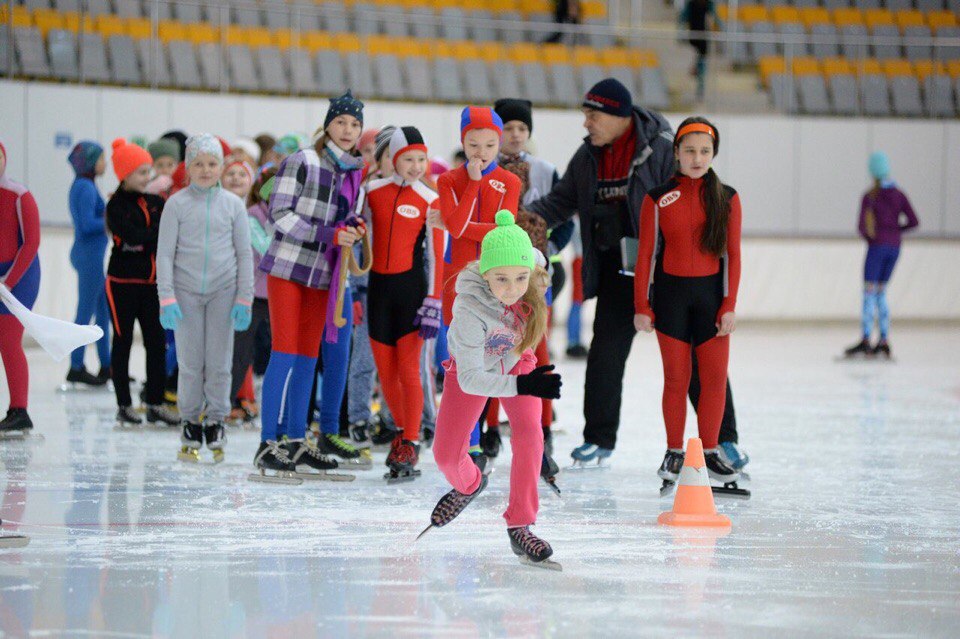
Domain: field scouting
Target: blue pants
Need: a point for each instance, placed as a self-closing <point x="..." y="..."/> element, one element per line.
<point x="877" y="269"/>
<point x="27" y="288"/>
<point x="362" y="368"/>
<point x="574" y="325"/>
<point x="87" y="259"/>
<point x="336" y="366"/>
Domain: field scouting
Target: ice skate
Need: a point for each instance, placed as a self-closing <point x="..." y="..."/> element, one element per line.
<point x="274" y="466"/>
<point x="159" y="415"/>
<point x="311" y="463"/>
<point x="80" y="379"/>
<point x="403" y="458"/>
<point x="451" y="505"/>
<point x="882" y="350"/>
<point x="531" y="550"/>
<point x="237" y="417"/>
<point x="720" y="472"/>
<point x="669" y="470"/>
<point x="549" y="469"/>
<point x="346" y="455"/>
<point x="426" y="435"/>
<point x="13" y="541"/>
<point x="585" y="454"/>
<point x="734" y="456"/>
<point x="860" y="350"/>
<point x="381" y="435"/>
<point x="360" y="434"/>
<point x="548" y="441"/>
<point x="577" y="351"/>
<point x="127" y="418"/>
<point x="191" y="439"/>
<point x="16" y="425"/>
<point x="490" y="442"/>
<point x="481" y="461"/>
<point x="215" y="435"/>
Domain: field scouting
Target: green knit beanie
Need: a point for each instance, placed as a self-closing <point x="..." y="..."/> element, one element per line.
<point x="506" y="245"/>
<point x="164" y="147"/>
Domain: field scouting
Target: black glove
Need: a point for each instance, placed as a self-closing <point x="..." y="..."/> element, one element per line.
<point x="540" y="382"/>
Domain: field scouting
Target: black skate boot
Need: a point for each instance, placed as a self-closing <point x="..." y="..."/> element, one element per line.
<point x="427" y="434"/>
<point x="403" y="457"/>
<point x="382" y="434"/>
<point x="670" y="468"/>
<point x="490" y="442"/>
<point x="216" y="437"/>
<point x="347" y="456"/>
<point x="532" y="550"/>
<point x="549" y="470"/>
<point x="882" y="349"/>
<point x="720" y="471"/>
<point x="862" y="349"/>
<point x="577" y="351"/>
<point x="274" y="465"/>
<point x="104" y="375"/>
<point x="191" y="439"/>
<point x="160" y="415"/>
<point x="451" y="505"/>
<point x="360" y="434"/>
<point x="16" y="424"/>
<point x="480" y="461"/>
<point x="128" y="418"/>
<point x="82" y="377"/>
<point x="310" y="463"/>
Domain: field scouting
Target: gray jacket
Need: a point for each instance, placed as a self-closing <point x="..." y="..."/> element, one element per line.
<point x="482" y="338"/>
<point x="653" y="164"/>
<point x="204" y="244"/>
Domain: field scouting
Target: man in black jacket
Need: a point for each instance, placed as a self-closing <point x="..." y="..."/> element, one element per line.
<point x="627" y="152"/>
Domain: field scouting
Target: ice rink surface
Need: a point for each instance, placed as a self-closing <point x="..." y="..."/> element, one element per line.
<point x="853" y="528"/>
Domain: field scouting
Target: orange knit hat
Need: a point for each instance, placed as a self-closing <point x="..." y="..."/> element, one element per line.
<point x="128" y="157"/>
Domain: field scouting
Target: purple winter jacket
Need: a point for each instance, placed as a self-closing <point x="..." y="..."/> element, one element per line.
<point x="880" y="216"/>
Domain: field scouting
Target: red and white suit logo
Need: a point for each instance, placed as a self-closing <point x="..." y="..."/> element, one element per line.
<point x="407" y="210"/>
<point x="498" y="186"/>
<point x="669" y="199"/>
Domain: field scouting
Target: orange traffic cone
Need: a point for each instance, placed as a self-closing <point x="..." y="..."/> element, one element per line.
<point x="693" y="504"/>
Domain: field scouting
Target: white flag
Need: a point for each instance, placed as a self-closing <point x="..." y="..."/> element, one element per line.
<point x="55" y="336"/>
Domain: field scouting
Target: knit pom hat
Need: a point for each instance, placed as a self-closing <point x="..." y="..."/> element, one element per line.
<point x="879" y="165"/>
<point x="406" y="138"/>
<point x="127" y="158"/>
<point x="506" y="245"/>
<point x="203" y="143"/>
<point x="513" y="109"/>
<point x="83" y="158"/>
<point x="164" y="148"/>
<point x="611" y="97"/>
<point x="346" y="104"/>
<point x="383" y="141"/>
<point x="368" y="137"/>
<point x="473" y="117"/>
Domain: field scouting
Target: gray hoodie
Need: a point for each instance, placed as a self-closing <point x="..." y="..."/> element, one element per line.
<point x="204" y="244"/>
<point x="482" y="338"/>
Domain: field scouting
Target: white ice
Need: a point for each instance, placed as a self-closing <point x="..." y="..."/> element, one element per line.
<point x="853" y="528"/>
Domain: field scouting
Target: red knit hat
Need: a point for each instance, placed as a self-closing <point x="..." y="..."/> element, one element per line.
<point x="473" y="117"/>
<point x="127" y="158"/>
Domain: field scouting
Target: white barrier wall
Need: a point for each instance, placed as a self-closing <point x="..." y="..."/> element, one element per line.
<point x="798" y="177"/>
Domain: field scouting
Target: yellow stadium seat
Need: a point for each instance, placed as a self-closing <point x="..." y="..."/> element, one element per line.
<point x="897" y="67"/>
<point x="316" y="40"/>
<point x="378" y="45"/>
<point x="139" y="28"/>
<point x="501" y="6"/>
<point x="722" y="12"/>
<point x="556" y="54"/>
<point x="259" y="37"/>
<point x="647" y="58"/>
<point x="285" y="38"/>
<point x="443" y="48"/>
<point x="202" y="33"/>
<point x="71" y="22"/>
<point x="171" y="30"/>
<point x="909" y="19"/>
<point x="924" y="68"/>
<point x="587" y="55"/>
<point x="234" y="35"/>
<point x="47" y="19"/>
<point x="465" y="50"/>
<point x="877" y="17"/>
<point x="346" y="42"/>
<point x="536" y="6"/>
<point x="846" y="16"/>
<point x="524" y="52"/>
<point x="21" y="16"/>
<point x="836" y="66"/>
<point x="615" y="57"/>
<point x="785" y="14"/>
<point x="810" y="16"/>
<point x="753" y="13"/>
<point x="939" y="19"/>
<point x="868" y="66"/>
<point x="806" y="66"/>
<point x="109" y="25"/>
<point x="953" y="68"/>
<point x="769" y="65"/>
<point x="593" y="9"/>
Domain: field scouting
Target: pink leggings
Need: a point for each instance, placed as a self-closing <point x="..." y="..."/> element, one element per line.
<point x="458" y="414"/>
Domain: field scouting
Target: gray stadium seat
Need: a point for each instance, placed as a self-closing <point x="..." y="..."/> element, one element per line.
<point x="212" y="72"/>
<point x="947" y="53"/>
<point x="123" y="60"/>
<point x="359" y="74"/>
<point x="477" y="87"/>
<point x="566" y="91"/>
<point x="64" y="6"/>
<point x="449" y="84"/>
<point x="270" y="70"/>
<point x="191" y="13"/>
<point x="393" y="25"/>
<point x="99" y="7"/>
<point x="827" y="48"/>
<point x="93" y="58"/>
<point x="331" y="77"/>
<point x="277" y="15"/>
<point x="875" y="95"/>
<point x="535" y="87"/>
<point x="366" y="19"/>
<point x="938" y="96"/>
<point x="847" y="46"/>
<point x="844" y="95"/>
<point x="422" y="28"/>
<point x="887" y="51"/>
<point x="303" y="76"/>
<point x="62" y="45"/>
<point x="240" y="68"/>
<point x="783" y="90"/>
<point x="419" y="78"/>
<point x="863" y="5"/>
<point x="621" y="73"/>
<point x="153" y="62"/>
<point x="590" y="74"/>
<point x="905" y="91"/>
<point x="246" y="13"/>
<point x="761" y="49"/>
<point x="736" y="51"/>
<point x="304" y="14"/>
<point x="801" y="4"/>
<point x="653" y="88"/>
<point x="898" y="5"/>
<point x="482" y="32"/>
<point x="812" y="93"/>
<point x="128" y="8"/>
<point x="598" y="40"/>
<point x="389" y="77"/>
<point x="918" y="51"/>
<point x="336" y="18"/>
<point x="956" y="91"/>
<point x="38" y="4"/>
<point x="836" y="4"/>
<point x="505" y="79"/>
<point x="5" y="47"/>
<point x="953" y="5"/>
<point x="454" y="25"/>
<point x="793" y="29"/>
<point x="513" y="31"/>
<point x="927" y="6"/>
<point x="183" y="63"/>
<point x="32" y="55"/>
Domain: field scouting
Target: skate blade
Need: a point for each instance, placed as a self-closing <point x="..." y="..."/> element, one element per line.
<point x="325" y="476"/>
<point x="546" y="564"/>
<point x="20" y="435"/>
<point x="425" y="531"/>
<point x="218" y="456"/>
<point x="581" y="465"/>
<point x="667" y="487"/>
<point x="77" y="387"/>
<point x="124" y="428"/>
<point x="401" y="478"/>
<point x="552" y="483"/>
<point x="364" y="462"/>
<point x="731" y="491"/>
<point x="14" y="541"/>
<point x="288" y="479"/>
<point x="191" y="456"/>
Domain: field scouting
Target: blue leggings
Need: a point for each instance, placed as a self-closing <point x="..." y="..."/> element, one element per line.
<point x="336" y="366"/>
<point x="877" y="270"/>
<point x="574" y="326"/>
<point x="92" y="300"/>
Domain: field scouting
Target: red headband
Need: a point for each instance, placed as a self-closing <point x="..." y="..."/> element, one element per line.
<point x="696" y="127"/>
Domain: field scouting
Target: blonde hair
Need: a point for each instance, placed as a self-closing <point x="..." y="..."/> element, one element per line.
<point x="535" y="324"/>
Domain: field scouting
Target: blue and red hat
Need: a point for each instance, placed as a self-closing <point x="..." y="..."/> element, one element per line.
<point x="473" y="117"/>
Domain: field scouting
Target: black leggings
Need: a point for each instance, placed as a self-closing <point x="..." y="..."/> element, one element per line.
<point x="685" y="308"/>
<point x="393" y="302"/>
<point x="243" y="346"/>
<point x="130" y="303"/>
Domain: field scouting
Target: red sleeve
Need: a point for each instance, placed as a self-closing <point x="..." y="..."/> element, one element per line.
<point x="435" y="255"/>
<point x="511" y="201"/>
<point x="641" y="276"/>
<point x="456" y="209"/>
<point x="733" y="257"/>
<point x="29" y="220"/>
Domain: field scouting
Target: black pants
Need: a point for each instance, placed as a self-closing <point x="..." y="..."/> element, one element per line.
<point x="613" y="334"/>
<point x="243" y="346"/>
<point x="130" y="303"/>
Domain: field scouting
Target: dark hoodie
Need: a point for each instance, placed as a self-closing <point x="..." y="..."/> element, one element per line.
<point x="133" y="220"/>
<point x="653" y="164"/>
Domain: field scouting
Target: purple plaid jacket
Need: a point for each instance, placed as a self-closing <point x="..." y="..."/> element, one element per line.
<point x="312" y="194"/>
